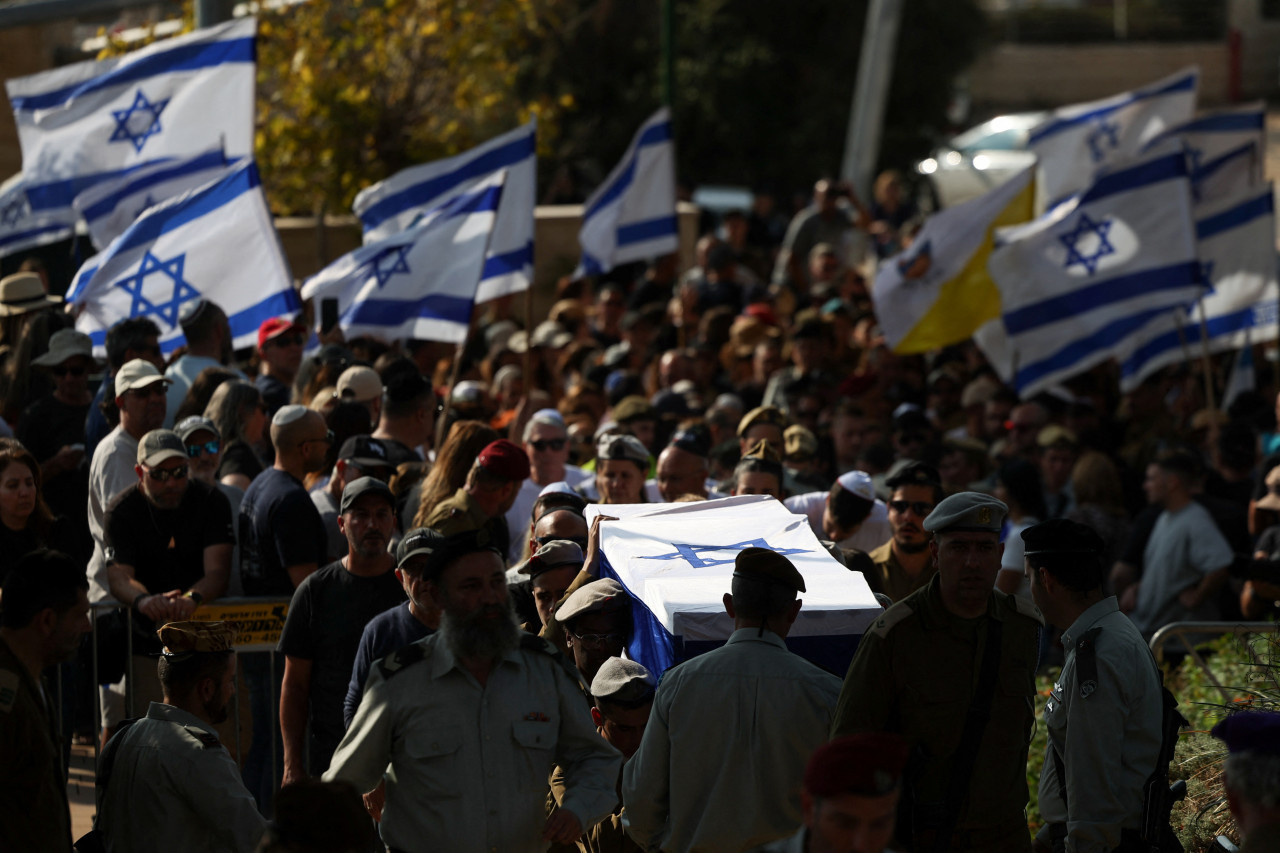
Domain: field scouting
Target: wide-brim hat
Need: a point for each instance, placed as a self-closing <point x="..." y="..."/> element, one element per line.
<point x="65" y="344"/>
<point x="23" y="292"/>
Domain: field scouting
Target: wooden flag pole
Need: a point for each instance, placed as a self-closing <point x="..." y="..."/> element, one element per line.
<point x="443" y="422"/>
<point x="1206" y="360"/>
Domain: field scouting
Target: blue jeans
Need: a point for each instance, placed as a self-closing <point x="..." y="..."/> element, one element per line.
<point x="262" y="771"/>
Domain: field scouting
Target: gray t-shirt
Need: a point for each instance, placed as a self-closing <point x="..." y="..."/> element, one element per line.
<point x="328" y="509"/>
<point x="1184" y="547"/>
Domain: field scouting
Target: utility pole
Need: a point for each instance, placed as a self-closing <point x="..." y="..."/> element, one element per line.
<point x="875" y="71"/>
<point x="667" y="28"/>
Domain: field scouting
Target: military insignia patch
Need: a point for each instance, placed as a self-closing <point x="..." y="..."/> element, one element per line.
<point x="984" y="515"/>
<point x="1086" y="689"/>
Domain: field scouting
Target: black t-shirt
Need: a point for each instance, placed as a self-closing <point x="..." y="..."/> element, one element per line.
<point x="398" y="452"/>
<point x="274" y="393"/>
<point x="279" y="527"/>
<point x="165" y="547"/>
<point x="239" y="458"/>
<point x="48" y="425"/>
<point x="327" y="616"/>
<point x="15" y="544"/>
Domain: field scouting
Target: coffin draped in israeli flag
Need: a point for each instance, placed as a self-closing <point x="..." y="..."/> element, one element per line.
<point x="677" y="561"/>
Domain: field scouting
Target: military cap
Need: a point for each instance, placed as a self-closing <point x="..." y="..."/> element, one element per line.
<point x="868" y="765"/>
<point x="441" y="550"/>
<point x="1061" y="536"/>
<point x="1250" y="731"/>
<point x="159" y="445"/>
<point x="596" y="597"/>
<point x="623" y="447"/>
<point x="695" y="440"/>
<point x="556" y="554"/>
<point x="967" y="511"/>
<point x="189" y="426"/>
<point x="633" y="408"/>
<point x="761" y="564"/>
<point x="858" y="483"/>
<point x="358" y="488"/>
<point x="799" y="442"/>
<point x="915" y="474"/>
<point x="624" y="681"/>
<point x="365" y="451"/>
<point x="505" y="459"/>
<point x="762" y="415"/>
<point x="184" y="638"/>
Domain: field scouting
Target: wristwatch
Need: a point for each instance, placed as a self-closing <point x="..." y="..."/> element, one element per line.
<point x="194" y="596"/>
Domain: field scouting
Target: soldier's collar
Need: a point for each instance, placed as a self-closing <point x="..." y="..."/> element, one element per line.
<point x="177" y="716"/>
<point x="1088" y="619"/>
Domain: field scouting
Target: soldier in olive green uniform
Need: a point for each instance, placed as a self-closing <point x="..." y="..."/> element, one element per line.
<point x="951" y="667"/>
<point x="491" y="488"/>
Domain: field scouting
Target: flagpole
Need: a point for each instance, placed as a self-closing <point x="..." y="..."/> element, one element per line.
<point x="443" y="422"/>
<point x="528" y="334"/>
<point x="1204" y="355"/>
<point x="1182" y="337"/>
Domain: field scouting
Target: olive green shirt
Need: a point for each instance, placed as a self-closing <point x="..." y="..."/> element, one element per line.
<point x="915" y="672"/>
<point x="891" y="579"/>
<point x="460" y="513"/>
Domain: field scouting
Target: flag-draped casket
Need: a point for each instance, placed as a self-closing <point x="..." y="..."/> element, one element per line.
<point x="677" y="561"/>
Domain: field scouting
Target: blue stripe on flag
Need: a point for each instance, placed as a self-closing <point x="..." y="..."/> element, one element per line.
<point x="485" y="200"/>
<point x="508" y="262"/>
<point x="148" y="230"/>
<point x="32" y="233"/>
<point x="1241" y="214"/>
<point x="1223" y="123"/>
<point x="56" y="195"/>
<point x="249" y="319"/>
<point x="512" y="153"/>
<point x="393" y="312"/>
<point x="650" y="229"/>
<point x="655" y="135"/>
<point x="1206" y="170"/>
<point x="1113" y="290"/>
<point x="1081" y="348"/>
<point x="205" y="161"/>
<point x="1223" y="324"/>
<point x="187" y="57"/>
<point x="1186" y="83"/>
<point x="1154" y="171"/>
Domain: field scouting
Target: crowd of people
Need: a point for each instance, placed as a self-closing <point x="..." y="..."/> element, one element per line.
<point x="454" y="656"/>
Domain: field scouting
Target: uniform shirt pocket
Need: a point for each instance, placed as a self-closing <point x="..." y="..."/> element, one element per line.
<point x="436" y="758"/>
<point x="535" y="752"/>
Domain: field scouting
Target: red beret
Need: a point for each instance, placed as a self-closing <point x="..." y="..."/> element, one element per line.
<point x="504" y="459"/>
<point x="869" y="765"/>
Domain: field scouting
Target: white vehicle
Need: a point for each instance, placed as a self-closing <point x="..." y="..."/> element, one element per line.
<point x="980" y="159"/>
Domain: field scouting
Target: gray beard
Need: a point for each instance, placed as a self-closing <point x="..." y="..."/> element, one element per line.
<point x="473" y="636"/>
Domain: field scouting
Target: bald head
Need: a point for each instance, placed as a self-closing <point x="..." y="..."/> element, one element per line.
<point x="681" y="473"/>
<point x="560" y="524"/>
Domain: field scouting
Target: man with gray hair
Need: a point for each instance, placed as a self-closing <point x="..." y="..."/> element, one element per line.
<point x="1251" y="776"/>
<point x="546" y="441"/>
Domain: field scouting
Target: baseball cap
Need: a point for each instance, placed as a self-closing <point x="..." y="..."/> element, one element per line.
<point x="159" y="445"/>
<point x="362" y="486"/>
<point x="504" y="459"/>
<point x="365" y="451"/>
<point x="193" y="424"/>
<point x="273" y="327"/>
<point x="441" y="549"/>
<point x="136" y="374"/>
<point x="359" y="383"/>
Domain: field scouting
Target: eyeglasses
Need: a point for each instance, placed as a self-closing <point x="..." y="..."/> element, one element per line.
<point x="597" y="642"/>
<point x="62" y="370"/>
<point x="161" y="475"/>
<point x="548" y="444"/>
<point x="920" y="508"/>
<point x="327" y="438"/>
<point x="294" y="340"/>
<point x="580" y="541"/>
<point x="209" y="447"/>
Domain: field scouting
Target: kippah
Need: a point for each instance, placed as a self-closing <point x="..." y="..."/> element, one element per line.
<point x="289" y="414"/>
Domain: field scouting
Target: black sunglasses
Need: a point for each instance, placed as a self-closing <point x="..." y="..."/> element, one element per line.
<point x="63" y="370"/>
<point x="548" y="444"/>
<point x="160" y="475"/>
<point x="920" y="508"/>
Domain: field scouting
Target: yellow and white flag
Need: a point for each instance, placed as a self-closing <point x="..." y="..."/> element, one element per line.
<point x="938" y="291"/>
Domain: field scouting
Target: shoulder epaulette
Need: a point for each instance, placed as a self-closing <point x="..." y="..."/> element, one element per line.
<point x="1087" y="661"/>
<point x="895" y="614"/>
<point x="10" y="681"/>
<point x="209" y="740"/>
<point x="534" y="643"/>
<point x="1020" y="605"/>
<point x="401" y="658"/>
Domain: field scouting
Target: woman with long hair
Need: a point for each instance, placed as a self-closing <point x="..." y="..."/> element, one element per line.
<point x="25" y="520"/>
<point x="1095" y="480"/>
<point x="461" y="447"/>
<point x="238" y="411"/>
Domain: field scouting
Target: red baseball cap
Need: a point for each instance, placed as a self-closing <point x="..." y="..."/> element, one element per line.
<point x="504" y="459"/>
<point x="276" y="326"/>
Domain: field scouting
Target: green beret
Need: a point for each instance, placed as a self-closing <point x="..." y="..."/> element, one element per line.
<point x="967" y="511"/>
<point x="762" y="415"/>
<point x="183" y="638"/>
<point x="761" y="564"/>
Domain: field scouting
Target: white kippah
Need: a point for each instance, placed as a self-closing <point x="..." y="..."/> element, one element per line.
<point x="288" y="414"/>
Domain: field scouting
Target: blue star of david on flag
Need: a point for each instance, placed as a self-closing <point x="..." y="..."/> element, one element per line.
<point x="1104" y="130"/>
<point x="14" y="212"/>
<point x="692" y="554"/>
<point x="1086" y="228"/>
<point x="135" y="286"/>
<point x="139" y="122"/>
<point x="394" y="262"/>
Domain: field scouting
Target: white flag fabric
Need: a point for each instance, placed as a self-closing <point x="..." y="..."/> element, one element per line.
<point x="1236" y="247"/>
<point x="216" y="242"/>
<point x="1077" y="283"/>
<point x="175" y="98"/>
<point x="1215" y="132"/>
<point x="677" y="562"/>
<point x="25" y="226"/>
<point x="632" y="215"/>
<point x="110" y="206"/>
<point x="420" y="283"/>
<point x="1243" y="377"/>
<point x="1077" y="142"/>
<point x="1226" y="175"/>
<point x="391" y="206"/>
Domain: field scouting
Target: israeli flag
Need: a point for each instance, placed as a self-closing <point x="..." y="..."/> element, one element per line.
<point x="393" y="205"/>
<point x="632" y="215"/>
<point x="420" y="283"/>
<point x="175" y="98"/>
<point x="111" y="206"/>
<point x="216" y="242"/>
<point x="22" y="226"/>
<point x="1227" y="174"/>
<point x="1077" y="142"/>
<point x="676" y="561"/>
<point x="1078" y="282"/>
<point x="1212" y="134"/>
<point x="1236" y="246"/>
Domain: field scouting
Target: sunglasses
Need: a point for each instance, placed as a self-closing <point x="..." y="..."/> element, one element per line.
<point x="597" y="642"/>
<point x="920" y="508"/>
<point x="209" y="447"/>
<point x="293" y="340"/>
<point x="155" y="389"/>
<point x="548" y="444"/>
<point x="161" y="475"/>
<point x="62" y="370"/>
<point x="327" y="438"/>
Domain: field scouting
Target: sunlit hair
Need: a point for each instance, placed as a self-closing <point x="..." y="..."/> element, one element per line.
<point x="461" y="447"/>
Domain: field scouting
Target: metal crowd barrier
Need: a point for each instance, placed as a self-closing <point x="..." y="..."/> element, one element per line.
<point x="260" y="621"/>
<point x="1183" y="631"/>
